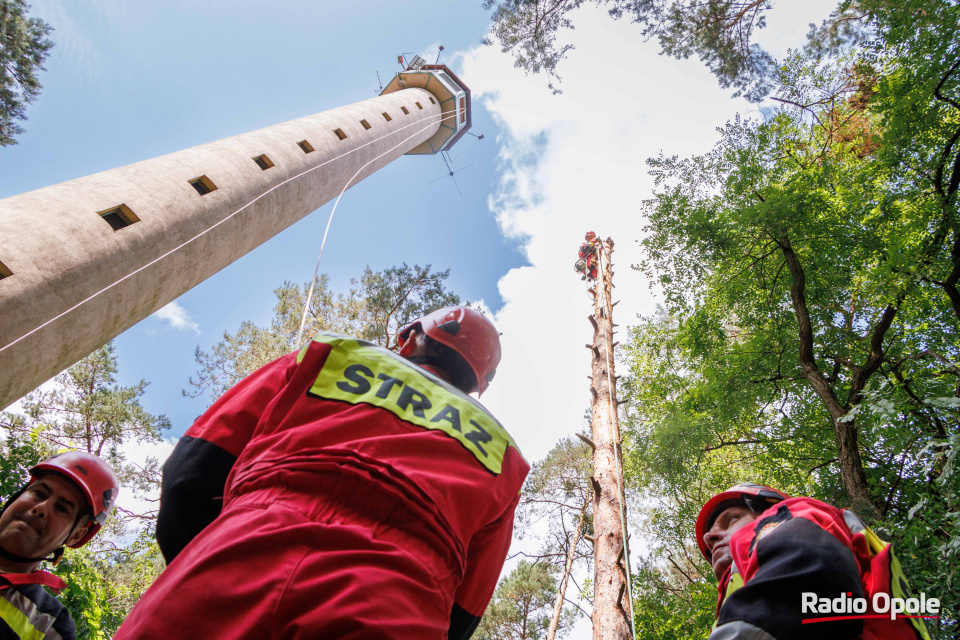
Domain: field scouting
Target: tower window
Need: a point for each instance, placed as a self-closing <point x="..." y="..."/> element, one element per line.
<point x="386" y="116"/>
<point x="432" y="101"/>
<point x="366" y="125"/>
<point x="419" y="106"/>
<point x="463" y="109"/>
<point x="119" y="217"/>
<point x="4" y="271"/>
<point x="405" y="112"/>
<point x="305" y="146"/>
<point x="340" y="134"/>
<point x="264" y="162"/>
<point x="203" y="185"/>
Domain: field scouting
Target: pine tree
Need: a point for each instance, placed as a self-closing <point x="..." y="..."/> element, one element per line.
<point x="24" y="46"/>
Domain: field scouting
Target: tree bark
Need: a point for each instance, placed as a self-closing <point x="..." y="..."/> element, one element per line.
<point x="852" y="474"/>
<point x="612" y="611"/>
<point x="571" y="552"/>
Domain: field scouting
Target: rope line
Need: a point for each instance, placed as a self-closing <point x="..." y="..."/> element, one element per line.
<point x="616" y="456"/>
<point x="323" y="243"/>
<point x="214" y="226"/>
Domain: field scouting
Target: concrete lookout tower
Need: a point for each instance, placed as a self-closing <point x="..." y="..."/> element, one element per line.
<point x="84" y="260"/>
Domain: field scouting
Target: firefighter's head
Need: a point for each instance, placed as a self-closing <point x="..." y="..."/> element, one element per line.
<point x="457" y="343"/>
<point x="65" y="503"/>
<point x="726" y="513"/>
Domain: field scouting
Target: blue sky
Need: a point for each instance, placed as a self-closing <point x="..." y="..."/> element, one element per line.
<point x="128" y="81"/>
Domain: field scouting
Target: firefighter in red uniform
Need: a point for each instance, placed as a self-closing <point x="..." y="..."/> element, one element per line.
<point x="586" y="264"/>
<point x="65" y="503"/>
<point x="767" y="549"/>
<point x="364" y="495"/>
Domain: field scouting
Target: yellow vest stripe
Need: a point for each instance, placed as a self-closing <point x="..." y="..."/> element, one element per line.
<point x="358" y="372"/>
<point x="18" y="621"/>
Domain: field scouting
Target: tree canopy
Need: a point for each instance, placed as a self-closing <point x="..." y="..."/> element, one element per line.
<point x="377" y="305"/>
<point x="85" y="409"/>
<point x="24" y="46"/>
<point x="808" y="333"/>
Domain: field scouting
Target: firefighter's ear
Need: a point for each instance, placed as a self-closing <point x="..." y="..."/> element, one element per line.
<point x="410" y="343"/>
<point x="79" y="531"/>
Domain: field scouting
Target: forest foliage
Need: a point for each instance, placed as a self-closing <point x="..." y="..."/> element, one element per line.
<point x="24" y="46"/>
<point x="807" y="269"/>
<point x="808" y="332"/>
<point x="86" y="409"/>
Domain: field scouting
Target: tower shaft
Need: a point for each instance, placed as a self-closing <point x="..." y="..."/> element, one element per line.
<point x="84" y="260"/>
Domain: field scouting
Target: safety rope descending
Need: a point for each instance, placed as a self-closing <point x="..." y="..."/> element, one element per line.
<point x="156" y="260"/>
<point x="323" y="242"/>
<point x="616" y="455"/>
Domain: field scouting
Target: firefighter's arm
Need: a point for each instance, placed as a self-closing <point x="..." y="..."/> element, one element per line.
<point x="485" y="557"/>
<point x="191" y="492"/>
<point x="795" y="556"/>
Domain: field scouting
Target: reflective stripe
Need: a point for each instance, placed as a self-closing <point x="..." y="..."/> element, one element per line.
<point x="898" y="587"/>
<point x="735" y="582"/>
<point x="358" y="372"/>
<point x="17" y="619"/>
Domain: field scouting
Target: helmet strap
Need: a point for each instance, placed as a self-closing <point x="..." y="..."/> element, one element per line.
<point x="431" y="364"/>
<point x="15" y="558"/>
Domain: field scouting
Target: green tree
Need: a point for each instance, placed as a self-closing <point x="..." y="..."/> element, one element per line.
<point x="809" y="337"/>
<point x="718" y="32"/>
<point x="377" y="306"/>
<point x="556" y="505"/>
<point x="521" y="605"/>
<point x="24" y="46"/>
<point x="86" y="409"/>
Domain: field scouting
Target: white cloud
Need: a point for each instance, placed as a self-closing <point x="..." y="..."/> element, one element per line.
<point x="572" y="163"/>
<point x="178" y="317"/>
<point x="576" y="162"/>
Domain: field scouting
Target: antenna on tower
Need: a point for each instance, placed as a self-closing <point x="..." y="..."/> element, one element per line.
<point x="450" y="173"/>
<point x="478" y="137"/>
<point x="380" y="82"/>
<point x="438" y="55"/>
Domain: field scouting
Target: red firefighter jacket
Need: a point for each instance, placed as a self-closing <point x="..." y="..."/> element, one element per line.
<point x="804" y="545"/>
<point x="351" y="406"/>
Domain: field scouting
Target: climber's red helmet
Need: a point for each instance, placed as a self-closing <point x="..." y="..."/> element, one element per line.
<point x="468" y="333"/>
<point x="94" y="477"/>
<point x="590" y="236"/>
<point x="756" y="497"/>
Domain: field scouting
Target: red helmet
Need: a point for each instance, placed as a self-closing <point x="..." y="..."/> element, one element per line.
<point x="469" y="333"/>
<point x="590" y="236"/>
<point x="94" y="477"/>
<point x="756" y="497"/>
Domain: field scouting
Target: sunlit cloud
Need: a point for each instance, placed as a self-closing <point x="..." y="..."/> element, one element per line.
<point x="178" y="317"/>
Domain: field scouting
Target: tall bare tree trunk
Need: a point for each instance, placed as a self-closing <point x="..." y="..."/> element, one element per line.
<point x="571" y="552"/>
<point x="612" y="612"/>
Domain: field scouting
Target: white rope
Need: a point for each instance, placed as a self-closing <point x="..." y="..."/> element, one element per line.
<point x="616" y="456"/>
<point x="316" y="270"/>
<point x="212" y="227"/>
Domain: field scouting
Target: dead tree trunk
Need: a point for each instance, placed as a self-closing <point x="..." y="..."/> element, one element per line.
<point x="612" y="611"/>
<point x="567" y="567"/>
